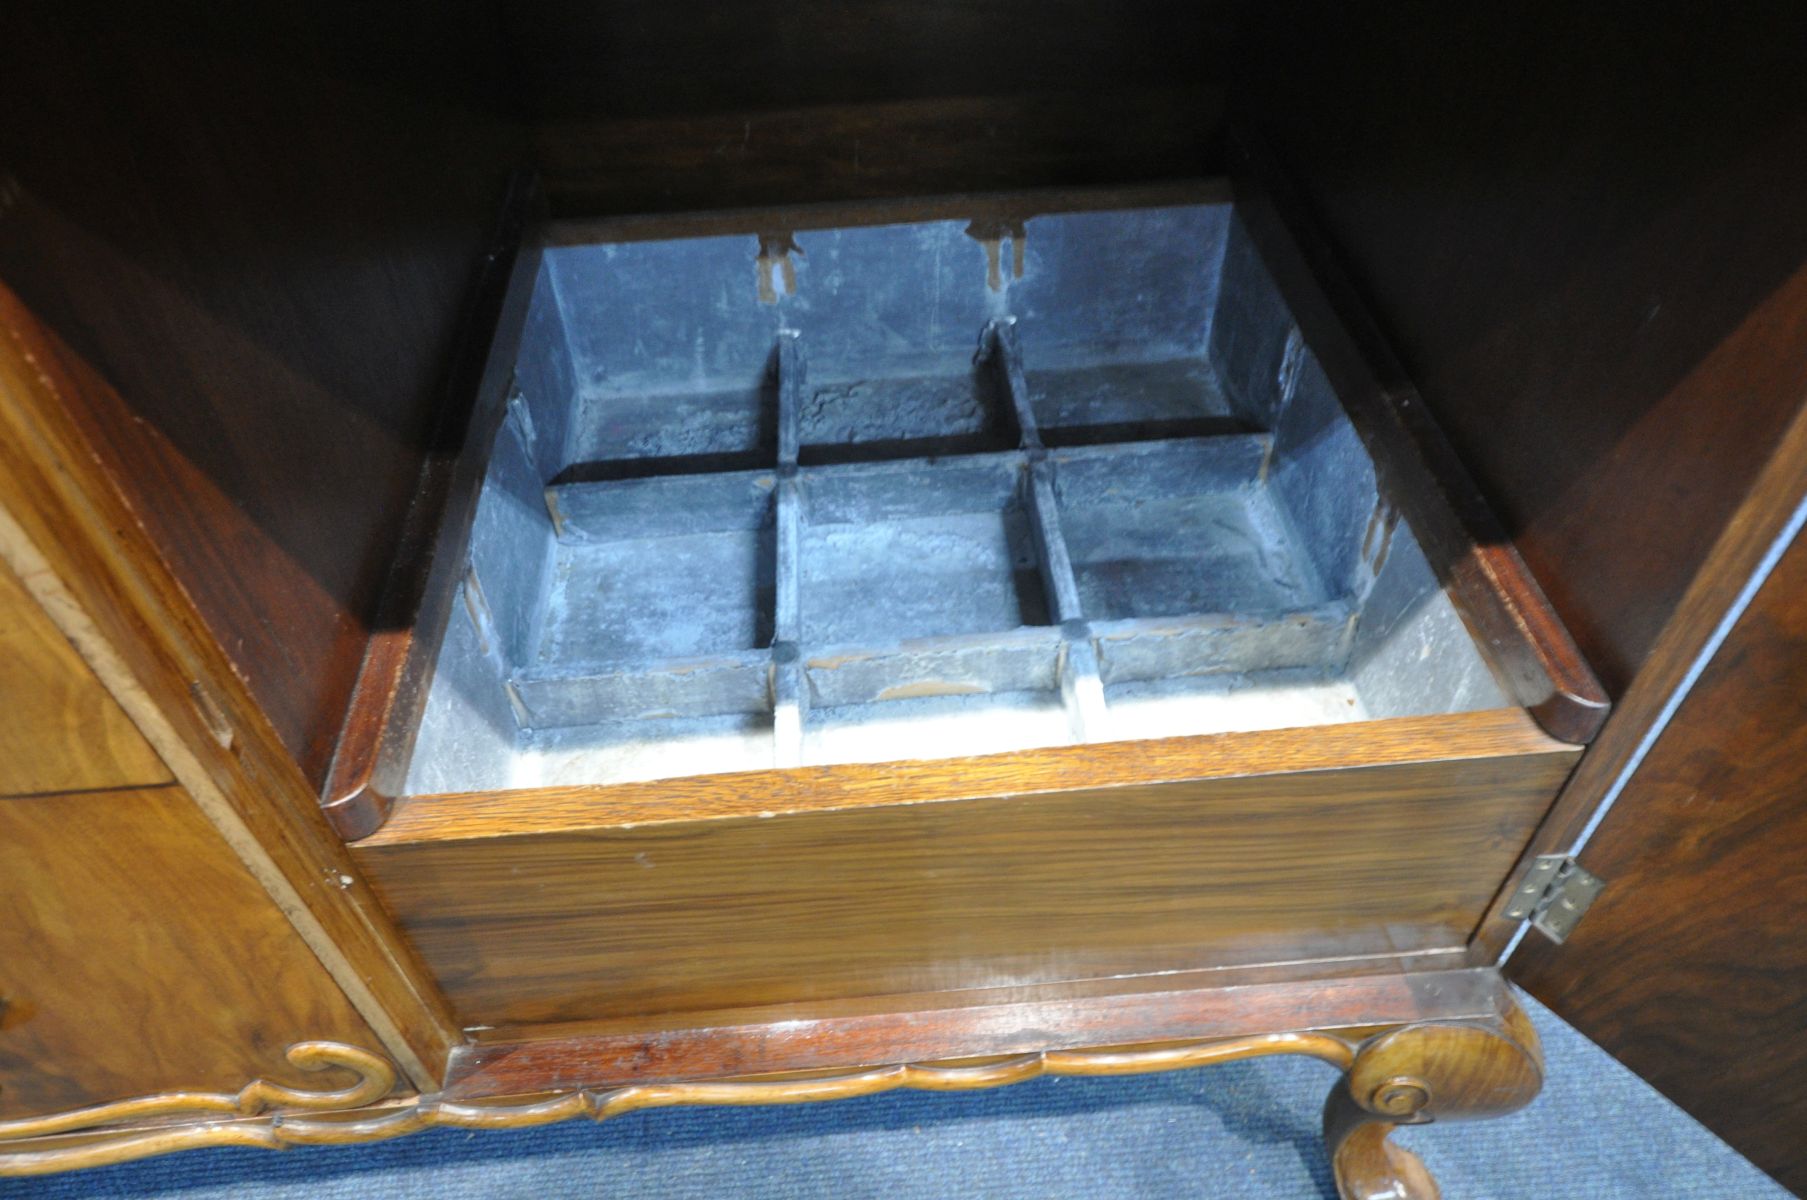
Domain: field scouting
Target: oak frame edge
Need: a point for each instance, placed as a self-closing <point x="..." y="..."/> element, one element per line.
<point x="382" y="719"/>
<point x="461" y="816"/>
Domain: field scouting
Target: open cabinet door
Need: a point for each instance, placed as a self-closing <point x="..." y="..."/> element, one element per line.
<point x="1691" y="967"/>
<point x="1582" y="231"/>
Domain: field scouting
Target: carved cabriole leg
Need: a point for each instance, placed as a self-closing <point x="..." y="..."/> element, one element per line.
<point x="1436" y="1071"/>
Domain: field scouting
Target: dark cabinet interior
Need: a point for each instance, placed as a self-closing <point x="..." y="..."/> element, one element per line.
<point x="1578" y="230"/>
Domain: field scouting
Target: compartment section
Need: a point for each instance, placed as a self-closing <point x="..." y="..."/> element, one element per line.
<point x="889" y="319"/>
<point x="671" y="357"/>
<point x="920" y="491"/>
<point x="1170" y="528"/>
<point x="914" y="411"/>
<point x="1120" y="402"/>
<point x="1058" y="520"/>
<point x="624" y="437"/>
<point x="660" y="603"/>
<point x="925" y="612"/>
<point x="660" y="568"/>
<point x="915" y="550"/>
<point x="1116" y="333"/>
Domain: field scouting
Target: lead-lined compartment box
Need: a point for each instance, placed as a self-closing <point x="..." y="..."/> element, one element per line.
<point x="923" y="490"/>
<point x="1009" y="599"/>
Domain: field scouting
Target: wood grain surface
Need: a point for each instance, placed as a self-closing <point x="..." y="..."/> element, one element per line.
<point x="861" y="881"/>
<point x="400" y="1119"/>
<point x="1017" y="1021"/>
<point x="1747" y="538"/>
<point x="78" y="547"/>
<point x="261" y="229"/>
<point x="1016" y="204"/>
<point x="638" y="107"/>
<point x="382" y="718"/>
<point x="1434" y="1071"/>
<point x="138" y="955"/>
<point x="1448" y="1016"/>
<point x="62" y="732"/>
<point x="1691" y="968"/>
<point x="464" y="816"/>
<point x="639" y="58"/>
<point x="1582" y="235"/>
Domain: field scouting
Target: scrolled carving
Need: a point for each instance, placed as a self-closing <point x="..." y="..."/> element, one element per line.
<point x="1420" y="1073"/>
<point x="375" y="1079"/>
<point x="1403" y="1097"/>
<point x="285" y="1128"/>
<point x="1408" y="1075"/>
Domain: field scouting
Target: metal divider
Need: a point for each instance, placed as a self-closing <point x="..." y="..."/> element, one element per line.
<point x="790" y="691"/>
<point x="1075" y="653"/>
<point x="1081" y="690"/>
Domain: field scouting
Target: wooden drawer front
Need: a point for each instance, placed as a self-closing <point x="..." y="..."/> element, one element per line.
<point x="61" y="730"/>
<point x="1382" y="849"/>
<point x="137" y="955"/>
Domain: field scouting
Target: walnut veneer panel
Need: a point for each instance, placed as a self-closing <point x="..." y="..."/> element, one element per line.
<point x="1692" y="966"/>
<point x="726" y="907"/>
<point x="137" y="955"/>
<point x="62" y="731"/>
<point x="77" y="546"/>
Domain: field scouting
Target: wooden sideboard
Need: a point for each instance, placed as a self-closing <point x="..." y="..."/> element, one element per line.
<point x="252" y="330"/>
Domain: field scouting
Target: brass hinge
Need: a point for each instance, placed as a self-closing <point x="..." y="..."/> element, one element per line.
<point x="1554" y="895"/>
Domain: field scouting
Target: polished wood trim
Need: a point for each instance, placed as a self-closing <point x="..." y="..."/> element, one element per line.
<point x="929" y="877"/>
<point x="1509" y="615"/>
<point x="72" y="539"/>
<point x="1434" y="1071"/>
<point x="1463" y="1050"/>
<point x="1492" y="733"/>
<point x="1780" y="486"/>
<point x="62" y="732"/>
<point x="435" y="1113"/>
<point x="383" y="715"/>
<point x="953" y="1001"/>
<point x="375" y="1080"/>
<point x="1114" y="1012"/>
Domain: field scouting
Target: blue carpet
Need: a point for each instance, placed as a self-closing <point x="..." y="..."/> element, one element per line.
<point x="1227" y="1132"/>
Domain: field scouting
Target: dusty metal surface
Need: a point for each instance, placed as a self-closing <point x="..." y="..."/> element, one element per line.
<point x="894" y="493"/>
